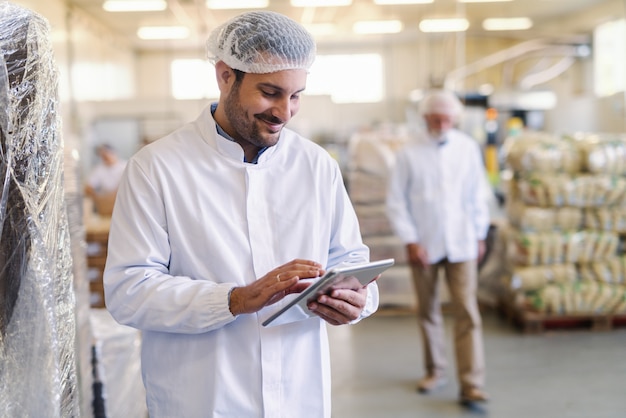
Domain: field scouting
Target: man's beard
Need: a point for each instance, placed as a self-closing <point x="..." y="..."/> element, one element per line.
<point x="245" y="129"/>
<point x="438" y="136"/>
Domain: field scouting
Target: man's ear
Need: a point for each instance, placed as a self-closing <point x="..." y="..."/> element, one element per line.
<point x="225" y="76"/>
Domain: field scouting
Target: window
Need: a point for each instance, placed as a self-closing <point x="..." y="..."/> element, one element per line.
<point x="92" y="80"/>
<point x="193" y="79"/>
<point x="347" y="78"/>
<point x="610" y="58"/>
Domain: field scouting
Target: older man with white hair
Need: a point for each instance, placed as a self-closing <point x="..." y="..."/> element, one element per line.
<point x="438" y="206"/>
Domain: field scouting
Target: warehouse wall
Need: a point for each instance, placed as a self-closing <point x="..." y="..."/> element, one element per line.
<point x="103" y="79"/>
<point x="409" y="64"/>
<point x="94" y="65"/>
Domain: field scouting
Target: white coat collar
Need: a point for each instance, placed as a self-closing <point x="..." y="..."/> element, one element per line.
<point x="206" y="125"/>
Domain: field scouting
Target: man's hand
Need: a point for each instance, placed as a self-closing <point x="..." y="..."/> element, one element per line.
<point x="482" y="249"/>
<point x="417" y="255"/>
<point x="274" y="286"/>
<point x="341" y="306"/>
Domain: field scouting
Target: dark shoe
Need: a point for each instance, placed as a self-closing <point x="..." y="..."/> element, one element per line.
<point x="430" y="383"/>
<point x="473" y="395"/>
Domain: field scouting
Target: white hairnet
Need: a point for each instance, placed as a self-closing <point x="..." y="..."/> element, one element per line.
<point x="262" y="42"/>
<point x="441" y="102"/>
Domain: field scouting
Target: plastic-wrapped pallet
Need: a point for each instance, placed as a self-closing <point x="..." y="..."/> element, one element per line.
<point x="37" y="302"/>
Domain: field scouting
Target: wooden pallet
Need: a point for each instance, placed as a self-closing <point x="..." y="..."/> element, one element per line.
<point x="97" y="241"/>
<point x="536" y="323"/>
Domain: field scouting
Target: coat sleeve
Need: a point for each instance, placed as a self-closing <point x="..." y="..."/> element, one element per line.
<point x="397" y="201"/>
<point x="139" y="291"/>
<point x="481" y="197"/>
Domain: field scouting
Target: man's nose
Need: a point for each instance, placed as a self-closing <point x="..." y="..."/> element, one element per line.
<point x="283" y="109"/>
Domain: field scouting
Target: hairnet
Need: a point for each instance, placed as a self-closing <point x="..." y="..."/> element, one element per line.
<point x="262" y="42"/>
<point x="441" y="102"/>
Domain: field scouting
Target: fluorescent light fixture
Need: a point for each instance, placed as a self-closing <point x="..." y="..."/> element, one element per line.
<point x="444" y="25"/>
<point x="134" y="5"/>
<point x="236" y="4"/>
<point x="390" y="2"/>
<point x="511" y="23"/>
<point x="163" y="32"/>
<point x="320" y="3"/>
<point x="482" y="1"/>
<point x="377" y="26"/>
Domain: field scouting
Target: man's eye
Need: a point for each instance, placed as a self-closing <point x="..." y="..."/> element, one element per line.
<point x="269" y="93"/>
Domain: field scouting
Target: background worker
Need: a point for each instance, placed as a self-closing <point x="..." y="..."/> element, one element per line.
<point x="438" y="206"/>
<point x="106" y="175"/>
<point x="104" y="179"/>
<point x="217" y="223"/>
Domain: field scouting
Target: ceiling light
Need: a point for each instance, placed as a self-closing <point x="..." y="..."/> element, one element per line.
<point x="237" y="4"/>
<point x="482" y="1"/>
<point x="512" y="23"/>
<point x="163" y="32"/>
<point x="320" y="3"/>
<point x="134" y="5"/>
<point x="377" y="26"/>
<point x="444" y="25"/>
<point x="389" y="2"/>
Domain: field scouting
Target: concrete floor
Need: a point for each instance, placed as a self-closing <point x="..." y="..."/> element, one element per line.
<point x="558" y="374"/>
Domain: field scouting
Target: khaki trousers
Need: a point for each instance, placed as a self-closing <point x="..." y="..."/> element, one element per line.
<point x="462" y="281"/>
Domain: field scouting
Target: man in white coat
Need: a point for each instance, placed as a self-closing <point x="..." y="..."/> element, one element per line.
<point x="438" y="206"/>
<point x="104" y="179"/>
<point x="215" y="226"/>
<point x="106" y="175"/>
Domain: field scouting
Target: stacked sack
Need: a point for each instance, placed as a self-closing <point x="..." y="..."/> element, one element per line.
<point x="567" y="210"/>
<point x="371" y="156"/>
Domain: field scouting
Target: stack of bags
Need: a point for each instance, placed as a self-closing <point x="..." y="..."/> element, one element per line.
<point x="371" y="156"/>
<point x="566" y="205"/>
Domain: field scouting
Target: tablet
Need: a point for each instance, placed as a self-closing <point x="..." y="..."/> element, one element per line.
<point x="347" y="277"/>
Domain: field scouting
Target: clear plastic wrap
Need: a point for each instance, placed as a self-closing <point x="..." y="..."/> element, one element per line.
<point x="37" y="319"/>
<point x="74" y="198"/>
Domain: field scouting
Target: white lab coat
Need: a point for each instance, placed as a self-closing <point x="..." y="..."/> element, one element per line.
<point x="438" y="196"/>
<point x="106" y="178"/>
<point x="191" y="221"/>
